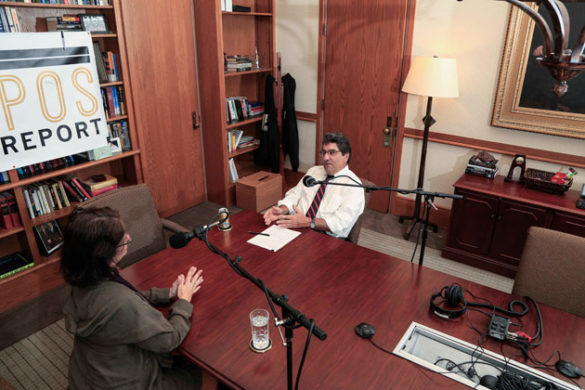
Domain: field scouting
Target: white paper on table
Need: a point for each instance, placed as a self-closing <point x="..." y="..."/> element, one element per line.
<point x="276" y="239"/>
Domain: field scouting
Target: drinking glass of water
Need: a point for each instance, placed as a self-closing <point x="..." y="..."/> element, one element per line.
<point x="260" y="329"/>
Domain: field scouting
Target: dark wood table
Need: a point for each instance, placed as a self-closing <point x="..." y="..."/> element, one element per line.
<point x="339" y="285"/>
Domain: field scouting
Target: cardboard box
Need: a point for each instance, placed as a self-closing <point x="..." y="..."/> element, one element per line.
<point x="258" y="191"/>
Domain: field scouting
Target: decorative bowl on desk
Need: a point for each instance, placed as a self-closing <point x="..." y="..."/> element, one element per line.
<point x="541" y="181"/>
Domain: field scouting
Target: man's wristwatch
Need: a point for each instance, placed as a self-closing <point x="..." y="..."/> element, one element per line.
<point x="312" y="226"/>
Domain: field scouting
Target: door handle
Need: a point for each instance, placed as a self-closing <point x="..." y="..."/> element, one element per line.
<point x="195" y="120"/>
<point x="387" y="137"/>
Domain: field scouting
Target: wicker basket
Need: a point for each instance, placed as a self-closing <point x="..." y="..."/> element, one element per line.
<point x="540" y="180"/>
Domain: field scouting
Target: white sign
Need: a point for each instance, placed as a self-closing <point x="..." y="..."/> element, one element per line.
<point x="50" y="99"/>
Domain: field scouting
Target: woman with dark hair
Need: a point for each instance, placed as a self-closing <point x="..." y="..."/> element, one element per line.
<point x="121" y="340"/>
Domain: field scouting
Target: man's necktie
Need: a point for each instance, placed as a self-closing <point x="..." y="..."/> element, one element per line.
<point x="318" y="197"/>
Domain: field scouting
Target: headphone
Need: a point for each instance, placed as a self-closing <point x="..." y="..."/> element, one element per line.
<point x="453" y="296"/>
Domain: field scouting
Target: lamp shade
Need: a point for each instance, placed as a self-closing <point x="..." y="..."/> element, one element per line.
<point x="432" y="76"/>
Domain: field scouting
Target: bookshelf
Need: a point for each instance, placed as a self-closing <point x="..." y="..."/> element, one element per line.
<point x="232" y="33"/>
<point x="126" y="166"/>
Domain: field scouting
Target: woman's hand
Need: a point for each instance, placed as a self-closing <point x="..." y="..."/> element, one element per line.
<point x="189" y="285"/>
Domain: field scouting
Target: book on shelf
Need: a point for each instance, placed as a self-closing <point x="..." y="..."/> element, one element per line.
<point x="49" y="236"/>
<point x="4" y="177"/>
<point x="241" y="8"/>
<point x="63" y="23"/>
<point x="100" y="63"/>
<point x="13" y="263"/>
<point x="99" y="184"/>
<point x="9" y="208"/>
<point x="233" y="171"/>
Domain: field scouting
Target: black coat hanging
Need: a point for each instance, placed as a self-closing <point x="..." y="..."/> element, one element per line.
<point x="269" y="152"/>
<point x="290" y="131"/>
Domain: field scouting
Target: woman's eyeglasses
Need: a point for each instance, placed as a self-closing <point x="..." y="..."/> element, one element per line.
<point x="124" y="244"/>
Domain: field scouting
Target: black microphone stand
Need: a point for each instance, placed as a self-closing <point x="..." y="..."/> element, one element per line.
<point x="290" y="316"/>
<point x="419" y="192"/>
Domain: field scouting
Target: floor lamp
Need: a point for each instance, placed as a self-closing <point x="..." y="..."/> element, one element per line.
<point x="431" y="77"/>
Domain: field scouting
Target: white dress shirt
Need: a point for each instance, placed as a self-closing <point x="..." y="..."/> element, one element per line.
<point x="340" y="207"/>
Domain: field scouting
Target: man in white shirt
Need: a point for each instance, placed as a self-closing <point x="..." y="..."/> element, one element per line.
<point x="327" y="207"/>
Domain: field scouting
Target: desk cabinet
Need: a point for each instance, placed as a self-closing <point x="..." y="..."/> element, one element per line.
<point x="489" y="225"/>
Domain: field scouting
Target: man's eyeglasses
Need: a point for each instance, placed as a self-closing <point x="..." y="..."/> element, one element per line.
<point x="331" y="152"/>
<point x="124" y="244"/>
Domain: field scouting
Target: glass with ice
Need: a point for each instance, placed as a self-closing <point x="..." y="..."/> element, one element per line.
<point x="260" y="331"/>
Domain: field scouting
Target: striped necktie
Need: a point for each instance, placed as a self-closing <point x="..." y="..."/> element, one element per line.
<point x="312" y="212"/>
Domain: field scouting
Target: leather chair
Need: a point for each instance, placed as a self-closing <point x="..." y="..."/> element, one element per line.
<point x="552" y="270"/>
<point x="354" y="233"/>
<point x="137" y="209"/>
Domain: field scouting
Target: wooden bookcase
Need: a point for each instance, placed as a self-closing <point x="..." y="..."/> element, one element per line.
<point x="232" y="33"/>
<point x="126" y="166"/>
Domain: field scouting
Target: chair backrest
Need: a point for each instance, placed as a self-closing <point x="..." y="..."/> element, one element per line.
<point x="137" y="209"/>
<point x="354" y="233"/>
<point x="552" y="270"/>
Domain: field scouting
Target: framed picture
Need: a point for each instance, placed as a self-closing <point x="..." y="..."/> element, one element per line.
<point x="96" y="23"/>
<point x="524" y="97"/>
<point x="49" y="236"/>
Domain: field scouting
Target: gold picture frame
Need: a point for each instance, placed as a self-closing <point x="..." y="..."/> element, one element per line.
<point x="508" y="110"/>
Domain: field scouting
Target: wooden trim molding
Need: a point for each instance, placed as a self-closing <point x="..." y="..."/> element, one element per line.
<point x="307" y="116"/>
<point x="497" y="147"/>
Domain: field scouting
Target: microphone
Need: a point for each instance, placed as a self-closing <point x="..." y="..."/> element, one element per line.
<point x="180" y="239"/>
<point x="309" y="181"/>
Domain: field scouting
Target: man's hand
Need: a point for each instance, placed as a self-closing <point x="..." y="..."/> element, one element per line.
<point x="273" y="214"/>
<point x="297" y="220"/>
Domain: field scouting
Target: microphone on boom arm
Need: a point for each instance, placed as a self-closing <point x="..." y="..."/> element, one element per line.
<point x="180" y="239"/>
<point x="310" y="181"/>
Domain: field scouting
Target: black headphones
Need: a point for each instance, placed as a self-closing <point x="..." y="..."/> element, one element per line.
<point x="453" y="296"/>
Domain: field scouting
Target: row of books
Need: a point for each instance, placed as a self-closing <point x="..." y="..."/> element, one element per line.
<point x="238" y="108"/>
<point x="4" y="178"/>
<point x="45" y="166"/>
<point x="64" y="23"/>
<point x="9" y="210"/>
<point x="119" y="129"/>
<point x="237" y="63"/>
<point x="237" y="140"/>
<point x="114" y="101"/>
<point x="51" y="195"/>
<point x="106" y="64"/>
<point x="13" y="263"/>
<point x="9" y="21"/>
<point x="67" y="2"/>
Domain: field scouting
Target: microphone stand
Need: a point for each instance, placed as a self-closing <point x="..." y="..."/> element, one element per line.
<point x="428" y="202"/>
<point x="291" y="316"/>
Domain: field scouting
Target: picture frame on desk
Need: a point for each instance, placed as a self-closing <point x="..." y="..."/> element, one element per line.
<point x="524" y="98"/>
<point x="49" y="236"/>
<point x="95" y="23"/>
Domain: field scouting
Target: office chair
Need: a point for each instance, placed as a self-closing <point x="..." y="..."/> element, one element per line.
<point x="354" y="233"/>
<point x="552" y="270"/>
<point x="137" y="209"/>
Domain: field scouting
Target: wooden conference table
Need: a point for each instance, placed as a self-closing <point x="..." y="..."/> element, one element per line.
<point x="339" y="285"/>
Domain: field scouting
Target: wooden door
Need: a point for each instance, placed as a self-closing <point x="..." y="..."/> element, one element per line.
<point x="161" y="56"/>
<point x="363" y="60"/>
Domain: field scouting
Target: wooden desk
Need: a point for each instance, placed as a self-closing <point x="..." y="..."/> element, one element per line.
<point x="339" y="285"/>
